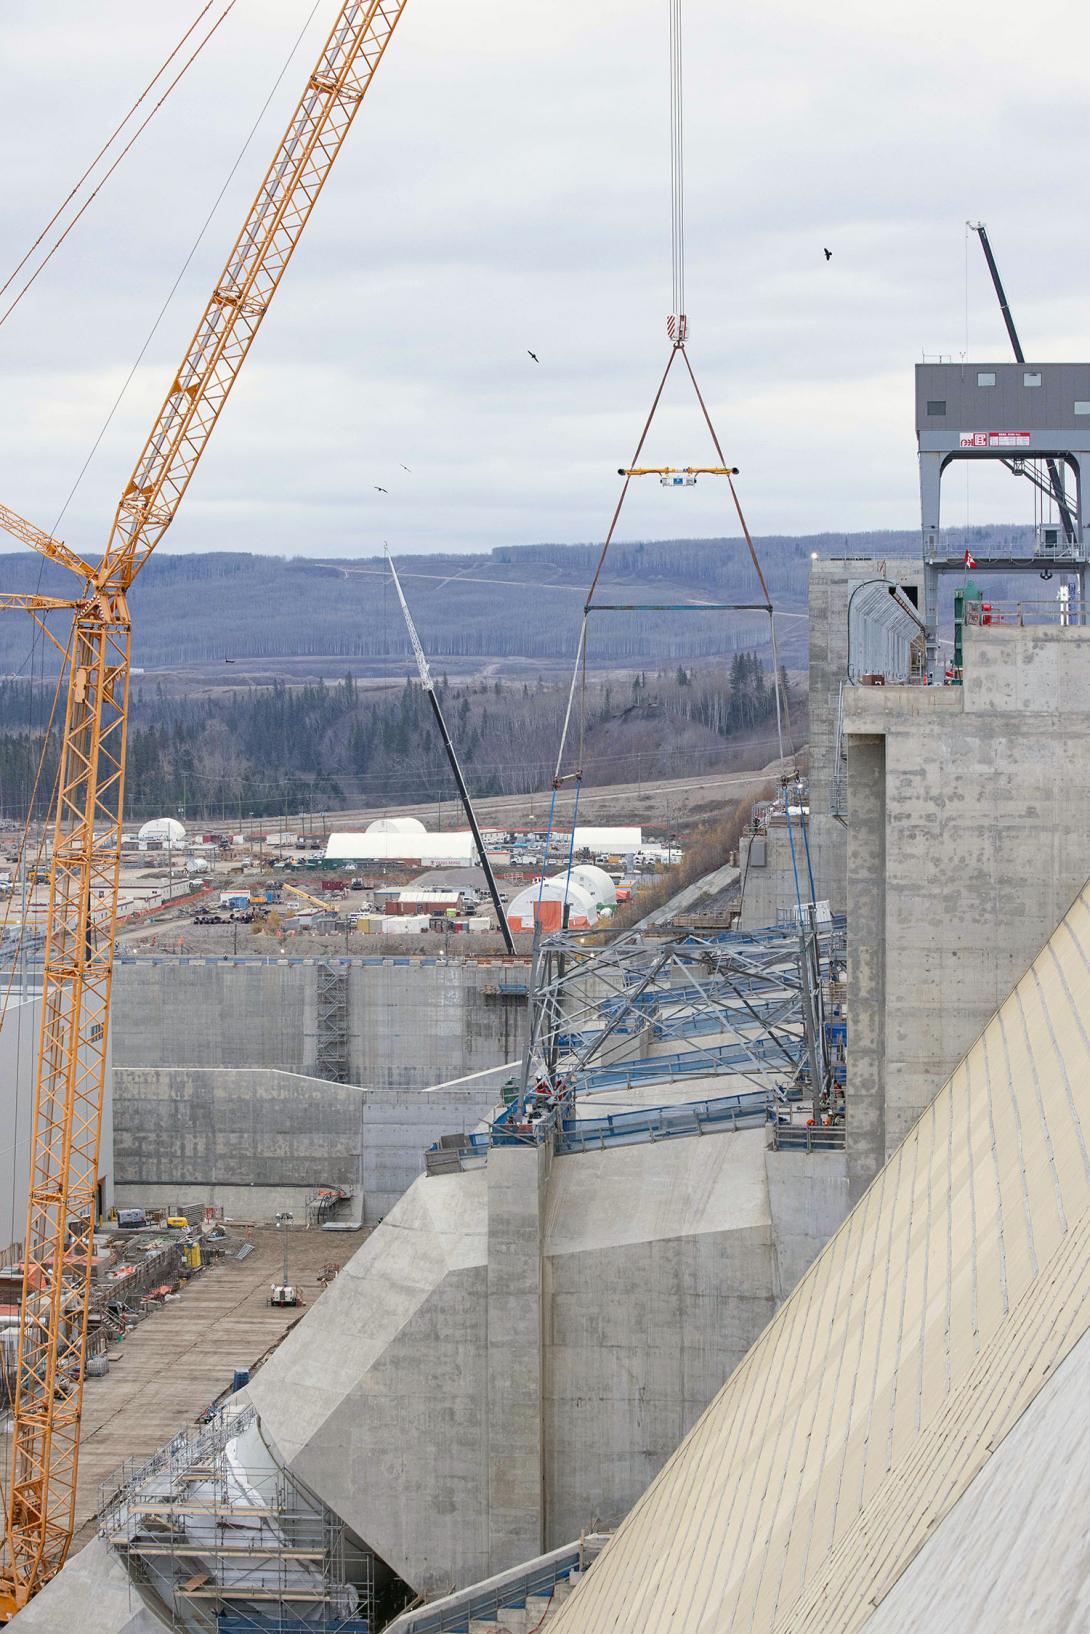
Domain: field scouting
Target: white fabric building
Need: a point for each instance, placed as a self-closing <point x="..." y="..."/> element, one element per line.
<point x="558" y="890"/>
<point x="620" y="842"/>
<point x="414" y="845"/>
<point x="597" y="883"/>
<point x="167" y="829"/>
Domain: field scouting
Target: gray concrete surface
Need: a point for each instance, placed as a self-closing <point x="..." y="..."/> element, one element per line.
<point x="770" y="888"/>
<point x="1014" y="1553"/>
<point x="399" y="1125"/>
<point x="92" y="1595"/>
<point x="517" y="1181"/>
<point x="808" y="1201"/>
<point x="254" y="1140"/>
<point x="969" y="839"/>
<point x="410" y="1023"/>
<point x="18" y="1063"/>
<point x="512" y="1356"/>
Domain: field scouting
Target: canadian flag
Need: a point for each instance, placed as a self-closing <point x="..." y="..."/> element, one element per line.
<point x="970" y="559"/>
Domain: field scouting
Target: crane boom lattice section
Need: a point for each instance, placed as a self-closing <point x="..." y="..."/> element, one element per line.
<point x="248" y="282"/>
<point x="61" y="1210"/>
<point x="86" y="824"/>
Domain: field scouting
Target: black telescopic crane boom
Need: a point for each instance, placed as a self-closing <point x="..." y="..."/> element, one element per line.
<point x="1054" y="476"/>
<point x="467" y="804"/>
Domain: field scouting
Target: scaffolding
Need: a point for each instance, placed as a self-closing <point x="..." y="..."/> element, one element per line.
<point x="220" y="1539"/>
<point x="332" y="1029"/>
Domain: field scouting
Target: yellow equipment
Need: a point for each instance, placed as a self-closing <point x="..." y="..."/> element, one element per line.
<point x="679" y="471"/>
<point x="678" y="476"/>
<point x="177" y="1222"/>
<point x="39" y="1502"/>
<point x="315" y="901"/>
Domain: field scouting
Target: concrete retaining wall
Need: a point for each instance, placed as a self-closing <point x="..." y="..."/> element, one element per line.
<point x="516" y="1350"/>
<point x="411" y="1023"/>
<point x="253" y="1140"/>
<point x="18" y="1067"/>
<point x="808" y="1199"/>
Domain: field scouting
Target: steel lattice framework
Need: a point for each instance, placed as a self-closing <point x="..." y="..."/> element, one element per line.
<point x="87" y="813"/>
<point x="645" y="1006"/>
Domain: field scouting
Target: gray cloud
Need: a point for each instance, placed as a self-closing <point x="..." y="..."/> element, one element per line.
<point x="505" y="187"/>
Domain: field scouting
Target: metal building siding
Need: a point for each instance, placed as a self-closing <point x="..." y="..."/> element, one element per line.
<point x="908" y="1351"/>
<point x="1009" y="405"/>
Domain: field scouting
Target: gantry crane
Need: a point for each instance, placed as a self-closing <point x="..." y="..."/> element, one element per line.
<point x="39" y="1502"/>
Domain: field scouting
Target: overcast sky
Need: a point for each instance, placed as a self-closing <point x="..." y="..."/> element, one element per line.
<point x="505" y="187"/>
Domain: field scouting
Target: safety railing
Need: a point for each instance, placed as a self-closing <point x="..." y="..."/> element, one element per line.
<point x="1055" y="611"/>
<point x="506" y="1591"/>
<point x="799" y="1137"/>
<point x="748" y="1111"/>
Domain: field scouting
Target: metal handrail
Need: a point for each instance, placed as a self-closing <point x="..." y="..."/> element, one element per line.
<point x="1020" y="613"/>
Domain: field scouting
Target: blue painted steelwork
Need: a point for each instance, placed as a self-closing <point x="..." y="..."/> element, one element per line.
<point x="689" y="1063"/>
<point x="746" y="1111"/>
<point x="475" y="1604"/>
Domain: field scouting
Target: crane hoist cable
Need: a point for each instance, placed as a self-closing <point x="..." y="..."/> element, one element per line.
<point x="129" y="145"/>
<point x="86" y="821"/>
<point x="1055" y="484"/>
<point x="677" y="329"/>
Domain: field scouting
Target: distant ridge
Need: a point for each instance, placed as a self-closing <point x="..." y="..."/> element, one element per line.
<point x="516" y="602"/>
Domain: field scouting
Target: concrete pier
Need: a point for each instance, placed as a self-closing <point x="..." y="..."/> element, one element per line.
<point x="970" y="838"/>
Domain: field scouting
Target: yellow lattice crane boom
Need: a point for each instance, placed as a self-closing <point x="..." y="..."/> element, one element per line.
<point x="39" y="1500"/>
<point x="315" y="901"/>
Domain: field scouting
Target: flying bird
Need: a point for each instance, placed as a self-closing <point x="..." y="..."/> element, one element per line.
<point x="828" y="255"/>
<point x="379" y="490"/>
<point x="406" y="468"/>
<point x="533" y="355"/>
<point x="228" y="660"/>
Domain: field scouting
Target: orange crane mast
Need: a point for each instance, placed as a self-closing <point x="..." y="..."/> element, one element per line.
<point x="39" y="1501"/>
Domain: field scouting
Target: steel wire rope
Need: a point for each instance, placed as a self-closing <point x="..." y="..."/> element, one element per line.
<point x="778" y="688"/>
<point x="35" y="639"/>
<point x="791" y="840"/>
<point x="571" y="842"/>
<point x="104" y="149"/>
<point x="677" y="160"/>
<point x="188" y="259"/>
<point x="804" y="826"/>
<point x="130" y="144"/>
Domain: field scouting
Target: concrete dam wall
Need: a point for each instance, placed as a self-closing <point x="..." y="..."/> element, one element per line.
<point x="515" y="1352"/>
<point x="224" y="1087"/>
<point x="408" y="1023"/>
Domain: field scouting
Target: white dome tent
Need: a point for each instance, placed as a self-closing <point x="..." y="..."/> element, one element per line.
<point x="597" y="883"/>
<point x="396" y="825"/>
<point x="167" y="830"/>
<point x="553" y="894"/>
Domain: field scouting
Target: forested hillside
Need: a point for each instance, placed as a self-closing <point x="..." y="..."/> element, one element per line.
<point x="317" y="748"/>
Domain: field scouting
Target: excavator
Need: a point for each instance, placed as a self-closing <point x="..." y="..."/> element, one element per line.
<point x="86" y="814"/>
